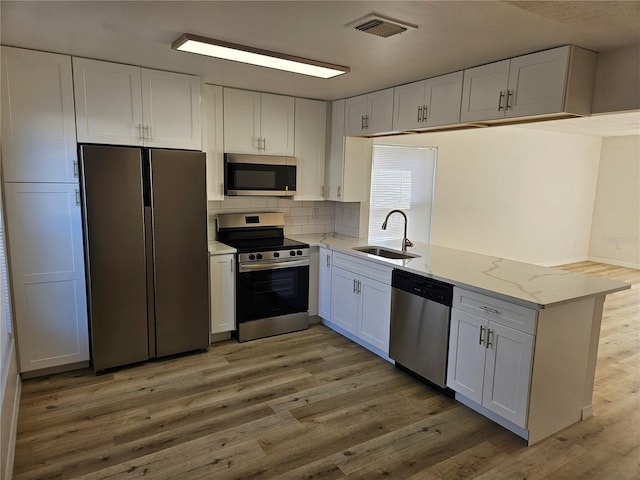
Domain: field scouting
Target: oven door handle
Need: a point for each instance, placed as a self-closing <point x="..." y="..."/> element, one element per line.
<point x="254" y="267"/>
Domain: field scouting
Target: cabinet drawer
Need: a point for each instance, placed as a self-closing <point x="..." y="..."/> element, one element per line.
<point x="366" y="268"/>
<point x="499" y="311"/>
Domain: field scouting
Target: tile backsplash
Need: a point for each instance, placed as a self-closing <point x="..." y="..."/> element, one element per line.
<point x="299" y="217"/>
<point x="347" y="219"/>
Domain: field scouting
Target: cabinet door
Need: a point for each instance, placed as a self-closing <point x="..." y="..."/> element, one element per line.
<point x="375" y="313"/>
<point x="223" y="312"/>
<point x="443" y="98"/>
<point x="108" y="102"/>
<point x="171" y="110"/>
<point x="507" y="373"/>
<point x="310" y="141"/>
<point x="356" y="109"/>
<point x="380" y="112"/>
<point x="324" y="284"/>
<point x="465" y="369"/>
<point x="344" y="300"/>
<point x="408" y="104"/>
<point x="47" y="266"/>
<point x="212" y="132"/>
<point x="335" y="161"/>
<point x="241" y="121"/>
<point x="38" y="120"/>
<point x="484" y="92"/>
<point x="537" y="83"/>
<point x="277" y="124"/>
<point x="356" y="183"/>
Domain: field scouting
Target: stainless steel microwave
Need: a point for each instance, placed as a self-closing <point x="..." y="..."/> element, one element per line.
<point x="259" y="175"/>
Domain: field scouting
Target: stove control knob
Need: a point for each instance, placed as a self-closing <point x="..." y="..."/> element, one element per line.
<point x="292" y="253"/>
<point x="299" y="252"/>
<point x="259" y="256"/>
<point x="276" y="254"/>
<point x="252" y="257"/>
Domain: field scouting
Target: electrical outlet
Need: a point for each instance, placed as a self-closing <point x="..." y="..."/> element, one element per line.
<point x="315" y="212"/>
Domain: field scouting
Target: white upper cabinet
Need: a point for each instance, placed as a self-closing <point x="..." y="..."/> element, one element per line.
<point x="556" y="81"/>
<point x="212" y="132"/>
<point x="310" y="145"/>
<point x="348" y="166"/>
<point x="258" y="123"/>
<point x="47" y="271"/>
<point x="127" y="105"/>
<point x="171" y="110"/>
<point x="428" y="103"/>
<point x="38" y="124"/>
<point x="369" y="114"/>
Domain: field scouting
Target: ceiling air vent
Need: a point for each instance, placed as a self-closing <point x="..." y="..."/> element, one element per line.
<point x="380" y="26"/>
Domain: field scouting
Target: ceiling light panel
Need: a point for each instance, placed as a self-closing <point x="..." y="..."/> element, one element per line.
<point x="254" y="56"/>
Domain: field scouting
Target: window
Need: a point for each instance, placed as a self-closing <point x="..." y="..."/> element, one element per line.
<point x="402" y="177"/>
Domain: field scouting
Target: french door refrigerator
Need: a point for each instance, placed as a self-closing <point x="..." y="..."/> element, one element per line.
<point x="145" y="235"/>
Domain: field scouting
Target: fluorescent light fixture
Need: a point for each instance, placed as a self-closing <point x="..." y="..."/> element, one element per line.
<point x="255" y="56"/>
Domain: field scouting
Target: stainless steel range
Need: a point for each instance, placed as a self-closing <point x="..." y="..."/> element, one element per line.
<point x="272" y="279"/>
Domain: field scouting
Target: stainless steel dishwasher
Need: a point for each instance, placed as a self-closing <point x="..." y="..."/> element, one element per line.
<point x="420" y="317"/>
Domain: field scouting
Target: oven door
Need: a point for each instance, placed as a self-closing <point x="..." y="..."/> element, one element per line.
<point x="274" y="291"/>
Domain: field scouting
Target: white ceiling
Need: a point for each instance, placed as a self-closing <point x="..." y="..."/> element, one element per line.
<point x="451" y="35"/>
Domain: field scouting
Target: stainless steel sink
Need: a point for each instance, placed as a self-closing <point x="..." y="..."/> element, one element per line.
<point x="385" y="252"/>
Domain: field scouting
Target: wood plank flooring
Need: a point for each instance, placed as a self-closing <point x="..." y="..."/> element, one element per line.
<point x="313" y="405"/>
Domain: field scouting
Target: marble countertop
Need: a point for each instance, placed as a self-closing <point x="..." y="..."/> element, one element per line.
<point x="526" y="284"/>
<point x="217" y="248"/>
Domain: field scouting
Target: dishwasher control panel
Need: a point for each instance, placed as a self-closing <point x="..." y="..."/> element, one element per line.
<point x="422" y="286"/>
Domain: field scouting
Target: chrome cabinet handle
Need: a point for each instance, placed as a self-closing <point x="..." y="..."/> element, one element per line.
<point x="264" y="144"/>
<point x="489" y="333"/>
<point x="339" y="188"/>
<point x="77" y="197"/>
<point x="359" y="287"/>
<point x="500" y="98"/>
<point x="140" y="132"/>
<point x="322" y="190"/>
<point x="509" y="95"/>
<point x="490" y="310"/>
<point x="354" y="285"/>
<point x="419" y="113"/>
<point x="366" y="125"/>
<point x="362" y="122"/>
<point x="147" y="129"/>
<point x="424" y="113"/>
<point x="75" y="169"/>
<point x="328" y="261"/>
<point x="231" y="265"/>
<point x="481" y="337"/>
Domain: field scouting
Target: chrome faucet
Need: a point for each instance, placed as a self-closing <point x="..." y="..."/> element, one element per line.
<point x="405" y="241"/>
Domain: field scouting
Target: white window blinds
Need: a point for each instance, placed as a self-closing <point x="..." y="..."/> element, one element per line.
<point x="402" y="178"/>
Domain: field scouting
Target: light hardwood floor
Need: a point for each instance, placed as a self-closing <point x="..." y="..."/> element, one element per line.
<point x="313" y="405"/>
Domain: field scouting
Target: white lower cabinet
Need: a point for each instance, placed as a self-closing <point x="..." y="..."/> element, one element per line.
<point x="491" y="353"/>
<point x="47" y="266"/>
<point x="324" y="283"/>
<point x="361" y="301"/>
<point x="223" y="311"/>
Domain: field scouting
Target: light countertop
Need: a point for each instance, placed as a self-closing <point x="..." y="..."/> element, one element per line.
<point x="217" y="248"/>
<point x="527" y="284"/>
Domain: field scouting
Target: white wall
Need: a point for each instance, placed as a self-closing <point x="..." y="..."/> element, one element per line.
<point x="522" y="194"/>
<point x="9" y="384"/>
<point x="617" y="79"/>
<point x="615" y="230"/>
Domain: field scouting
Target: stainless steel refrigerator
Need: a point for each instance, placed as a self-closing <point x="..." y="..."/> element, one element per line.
<point x="145" y="235"/>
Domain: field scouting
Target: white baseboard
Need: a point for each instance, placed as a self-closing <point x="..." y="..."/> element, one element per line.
<point x="607" y="261"/>
<point x="564" y="261"/>
<point x="617" y="263"/>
